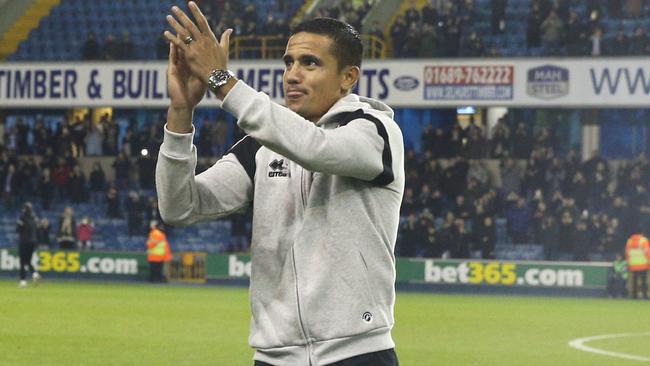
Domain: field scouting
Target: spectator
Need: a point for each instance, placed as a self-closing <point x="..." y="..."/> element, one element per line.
<point x="619" y="45"/>
<point x="11" y="183"/>
<point x="582" y="242"/>
<point x="617" y="278"/>
<point x="219" y="137"/>
<point x="85" y="232"/>
<point x="430" y="13"/>
<point x="239" y="233"/>
<point x="552" y="33"/>
<point x="398" y="35"/>
<point x="46" y="189"/>
<point x="597" y="43"/>
<point x="97" y="184"/>
<point x="638" y="42"/>
<point x="122" y="168"/>
<point x="43" y="234"/>
<point x="550" y="238"/>
<point x="77" y="185"/>
<point x="94" y="138"/>
<point x="575" y="35"/>
<point x="459" y="239"/>
<point x="498" y="15"/>
<point x="485" y="234"/>
<point x="66" y="234"/>
<point x="510" y="178"/>
<point x="409" y="236"/>
<point x="534" y="27"/>
<point x="90" y="50"/>
<point x="111" y="48"/>
<point x="125" y="48"/>
<point x="518" y="216"/>
<point x="113" y="210"/>
<point x="134" y="214"/>
<point x="412" y="15"/>
<point x="428" y="42"/>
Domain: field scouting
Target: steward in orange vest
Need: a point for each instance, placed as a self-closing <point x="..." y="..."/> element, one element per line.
<point x="637" y="254"/>
<point x="158" y="252"/>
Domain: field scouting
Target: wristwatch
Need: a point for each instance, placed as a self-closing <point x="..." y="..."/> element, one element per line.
<point x="219" y="78"/>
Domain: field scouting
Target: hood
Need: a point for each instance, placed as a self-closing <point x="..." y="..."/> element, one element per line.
<point x="353" y="102"/>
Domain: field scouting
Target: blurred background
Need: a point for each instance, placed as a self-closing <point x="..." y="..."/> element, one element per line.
<point x="526" y="125"/>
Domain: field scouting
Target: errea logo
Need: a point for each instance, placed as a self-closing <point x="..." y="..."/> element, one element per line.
<point x="278" y="169"/>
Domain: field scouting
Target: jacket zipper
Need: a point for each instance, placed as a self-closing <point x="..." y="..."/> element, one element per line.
<point x="303" y="191"/>
<point x="302" y="325"/>
<point x="303" y="197"/>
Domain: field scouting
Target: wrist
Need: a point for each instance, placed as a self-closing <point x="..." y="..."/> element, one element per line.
<point x="179" y="119"/>
<point x="220" y="81"/>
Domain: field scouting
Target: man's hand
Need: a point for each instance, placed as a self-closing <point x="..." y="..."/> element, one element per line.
<point x="202" y="52"/>
<point x="185" y="91"/>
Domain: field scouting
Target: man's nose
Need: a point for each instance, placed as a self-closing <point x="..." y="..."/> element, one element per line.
<point x="293" y="75"/>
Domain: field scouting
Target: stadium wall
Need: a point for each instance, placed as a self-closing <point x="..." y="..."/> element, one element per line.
<point x="422" y="83"/>
<point x="422" y="274"/>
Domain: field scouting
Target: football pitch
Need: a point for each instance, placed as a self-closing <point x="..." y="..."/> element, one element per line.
<point x="92" y="323"/>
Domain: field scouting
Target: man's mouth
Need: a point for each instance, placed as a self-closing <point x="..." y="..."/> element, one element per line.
<point x="295" y="93"/>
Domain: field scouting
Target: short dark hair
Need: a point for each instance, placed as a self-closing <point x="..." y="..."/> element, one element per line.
<point x="346" y="42"/>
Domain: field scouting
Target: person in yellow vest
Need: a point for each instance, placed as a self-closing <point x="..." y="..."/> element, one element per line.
<point x="158" y="252"/>
<point x="637" y="254"/>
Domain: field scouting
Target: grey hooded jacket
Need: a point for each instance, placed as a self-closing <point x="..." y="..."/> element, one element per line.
<point x="326" y="201"/>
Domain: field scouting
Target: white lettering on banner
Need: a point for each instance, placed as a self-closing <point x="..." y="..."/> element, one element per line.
<point x="237" y="268"/>
<point x="8" y="262"/>
<point x="550" y="277"/>
<point x="448" y="274"/>
<point x="496" y="273"/>
<point x="112" y="265"/>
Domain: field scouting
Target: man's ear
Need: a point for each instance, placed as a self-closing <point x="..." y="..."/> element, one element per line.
<point x="350" y="77"/>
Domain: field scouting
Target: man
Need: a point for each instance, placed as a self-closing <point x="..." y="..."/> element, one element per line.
<point x="26" y="228"/>
<point x="158" y="252"/>
<point x="326" y="176"/>
<point x="637" y="254"/>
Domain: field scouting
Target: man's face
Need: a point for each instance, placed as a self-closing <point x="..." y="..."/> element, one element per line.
<point x="312" y="80"/>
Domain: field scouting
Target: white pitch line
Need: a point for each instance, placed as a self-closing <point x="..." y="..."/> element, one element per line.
<point x="579" y="344"/>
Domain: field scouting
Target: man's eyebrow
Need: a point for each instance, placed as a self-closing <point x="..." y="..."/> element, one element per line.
<point x="303" y="58"/>
<point x="310" y="57"/>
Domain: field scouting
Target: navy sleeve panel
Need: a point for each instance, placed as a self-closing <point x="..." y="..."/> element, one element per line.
<point x="245" y="150"/>
<point x="386" y="176"/>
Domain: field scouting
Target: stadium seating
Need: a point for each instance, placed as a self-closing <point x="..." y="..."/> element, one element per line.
<point x="61" y="34"/>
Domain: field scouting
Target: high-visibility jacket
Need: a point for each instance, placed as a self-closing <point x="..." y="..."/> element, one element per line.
<point x="158" y="247"/>
<point x="637" y="253"/>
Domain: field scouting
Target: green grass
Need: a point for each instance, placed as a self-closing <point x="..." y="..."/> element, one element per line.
<point x="83" y="323"/>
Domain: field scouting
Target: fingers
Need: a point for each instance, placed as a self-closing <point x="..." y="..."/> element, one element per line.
<point x="201" y="21"/>
<point x="172" y="54"/>
<point x="180" y="30"/>
<point x="186" y="22"/>
<point x="225" y="39"/>
<point x="178" y="43"/>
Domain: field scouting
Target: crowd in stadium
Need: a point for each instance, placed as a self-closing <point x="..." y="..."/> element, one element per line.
<point x="451" y="205"/>
<point x="547" y="196"/>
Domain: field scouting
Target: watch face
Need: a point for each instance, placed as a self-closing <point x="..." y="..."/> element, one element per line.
<point x="218" y="78"/>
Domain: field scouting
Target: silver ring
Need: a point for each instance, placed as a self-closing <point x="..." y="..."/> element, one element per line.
<point x="188" y="40"/>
